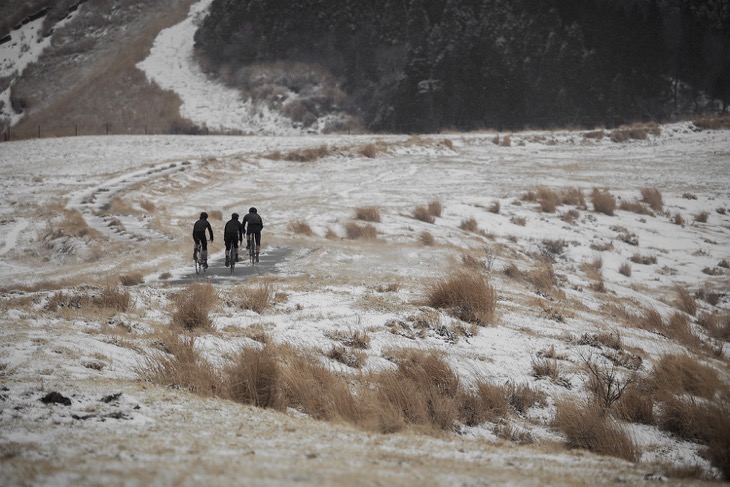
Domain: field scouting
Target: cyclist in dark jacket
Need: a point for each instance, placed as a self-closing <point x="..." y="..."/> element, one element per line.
<point x="199" y="229"/>
<point x="253" y="224"/>
<point x="232" y="236"/>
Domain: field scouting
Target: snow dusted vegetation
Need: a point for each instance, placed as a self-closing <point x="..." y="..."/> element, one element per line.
<point x="605" y="262"/>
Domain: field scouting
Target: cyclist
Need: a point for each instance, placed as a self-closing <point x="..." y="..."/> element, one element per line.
<point x="253" y="224"/>
<point x="199" y="237"/>
<point x="232" y="236"/>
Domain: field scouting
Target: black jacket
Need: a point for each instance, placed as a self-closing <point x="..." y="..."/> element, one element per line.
<point x="233" y="229"/>
<point x="254" y="222"/>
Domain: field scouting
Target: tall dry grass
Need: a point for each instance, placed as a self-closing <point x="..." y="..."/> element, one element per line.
<point x="367" y="214"/>
<point x="466" y="295"/>
<point x="355" y="231"/>
<point x="603" y="202"/>
<point x="653" y="198"/>
<point x="193" y="305"/>
<point x="589" y="428"/>
<point x="256" y="296"/>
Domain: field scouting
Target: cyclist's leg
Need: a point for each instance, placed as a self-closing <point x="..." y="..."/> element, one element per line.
<point x="228" y="242"/>
<point x="257" y="238"/>
<point x="204" y="252"/>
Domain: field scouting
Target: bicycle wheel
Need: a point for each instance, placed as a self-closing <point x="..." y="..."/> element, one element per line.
<point x="198" y="266"/>
<point x="234" y="256"/>
<point x="252" y="252"/>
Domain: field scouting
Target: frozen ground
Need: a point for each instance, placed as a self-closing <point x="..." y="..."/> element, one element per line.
<point x="138" y="197"/>
<point x="155" y="186"/>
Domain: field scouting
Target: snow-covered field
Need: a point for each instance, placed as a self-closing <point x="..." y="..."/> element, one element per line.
<point x="78" y="213"/>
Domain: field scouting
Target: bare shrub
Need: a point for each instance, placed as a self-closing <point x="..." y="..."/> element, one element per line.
<point x="435" y="208"/>
<point x="466" y="295"/>
<point x="701" y="217"/>
<point x="368" y="214"/>
<point x="653" y="198"/>
<point x="606" y="385"/>
<point x="192" y="306"/>
<point x="301" y="228"/>
<point x="365" y="232"/>
<point x="253" y="377"/>
<point x="494" y="207"/>
<point x="635" y="207"/>
<point x="309" y="154"/>
<point x="131" y="279"/>
<point x="512" y="271"/>
<point x="256" y="297"/>
<point x="573" y="197"/>
<point x="469" y="225"/>
<point x="587" y="427"/>
<point x="421" y="213"/>
<point x="546" y="368"/>
<point x="603" y="202"/>
<point x="426" y="238"/>
<point x="625" y="269"/>
<point x="518" y="220"/>
<point x="678" y="219"/>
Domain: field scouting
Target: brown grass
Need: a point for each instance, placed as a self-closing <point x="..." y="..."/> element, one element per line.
<point x="678" y="219"/>
<point x="355" y="231"/>
<point x="466" y="295"/>
<point x="685" y="301"/>
<point x="653" y="198"/>
<point x="131" y="279"/>
<point x="635" y="207"/>
<point x="108" y="297"/>
<point x="494" y="207"/>
<point x="637" y="258"/>
<point x="421" y="213"/>
<point x="603" y="202"/>
<point x="701" y="217"/>
<point x="542" y="276"/>
<point x="487" y="402"/>
<point x="193" y="305"/>
<point x="435" y="208"/>
<point x="426" y="238"/>
<point x="523" y="397"/>
<point x="548" y="199"/>
<point x="588" y="428"/>
<point x="469" y="225"/>
<point x="625" y="269"/>
<point x="309" y="154"/>
<point x="253" y="377"/>
<point x="301" y="228"/>
<point x="367" y="214"/>
<point x="636" y="405"/>
<point x="257" y="297"/>
<point x="682" y="374"/>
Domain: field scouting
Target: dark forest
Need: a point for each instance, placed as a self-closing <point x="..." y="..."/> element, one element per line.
<point x="424" y="66"/>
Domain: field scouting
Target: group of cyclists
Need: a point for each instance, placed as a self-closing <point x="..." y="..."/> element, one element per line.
<point x="233" y="233"/>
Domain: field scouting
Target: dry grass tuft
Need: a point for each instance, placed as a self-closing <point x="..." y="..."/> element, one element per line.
<point x="193" y="305"/>
<point x="523" y="397"/>
<point x="637" y="258"/>
<point x="355" y="231"/>
<point x="625" y="269"/>
<point x="256" y="297"/>
<point x="301" y="228"/>
<point x="635" y="405"/>
<point x="701" y="217"/>
<point x="588" y="428"/>
<point x="542" y="276"/>
<point x="426" y="238"/>
<point x="309" y="154"/>
<point x="682" y="374"/>
<point x="469" y="225"/>
<point x="487" y="402"/>
<point x="548" y="199"/>
<point x="253" y="377"/>
<point x="435" y="208"/>
<point x="495" y="207"/>
<point x="368" y="214"/>
<point x="466" y="295"/>
<point x="421" y="213"/>
<point x="685" y="301"/>
<point x="603" y="202"/>
<point x="131" y="279"/>
<point x="653" y="198"/>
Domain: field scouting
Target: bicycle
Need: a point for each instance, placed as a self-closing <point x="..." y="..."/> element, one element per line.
<point x="233" y="257"/>
<point x="199" y="267"/>
<point x="252" y="250"/>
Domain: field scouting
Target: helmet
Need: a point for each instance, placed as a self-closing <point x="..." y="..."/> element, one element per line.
<point x="252" y="210"/>
<point x="204" y="215"/>
<point x="235" y="216"/>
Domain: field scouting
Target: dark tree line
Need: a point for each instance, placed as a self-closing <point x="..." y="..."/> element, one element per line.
<point x="423" y="65"/>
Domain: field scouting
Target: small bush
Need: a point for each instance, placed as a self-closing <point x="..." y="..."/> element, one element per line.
<point x="681" y="374"/>
<point x="637" y="258"/>
<point x="625" y="269"/>
<point x="487" y="402"/>
<point x="369" y="150"/>
<point x="587" y="427"/>
<point x="466" y="295"/>
<point x="635" y="406"/>
<point x="253" y="377"/>
<point x="365" y="232"/>
<point x="494" y="207"/>
<point x="548" y="199"/>
<point x="603" y="202"/>
<point x="368" y="214"/>
<point x="192" y="306"/>
<point x="522" y="397"/>
<point x="678" y="219"/>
